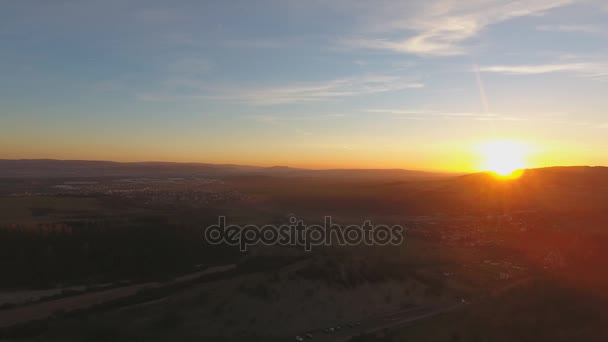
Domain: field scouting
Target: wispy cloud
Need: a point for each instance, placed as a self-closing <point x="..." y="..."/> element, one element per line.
<point x="596" y="71"/>
<point x="531" y="69"/>
<point x="290" y="93"/>
<point x="300" y="93"/>
<point x="441" y="28"/>
<point x="570" y="28"/>
<point x="421" y="114"/>
<point x="436" y="114"/>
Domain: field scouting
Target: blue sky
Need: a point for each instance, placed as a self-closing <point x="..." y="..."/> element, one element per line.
<point x="413" y="84"/>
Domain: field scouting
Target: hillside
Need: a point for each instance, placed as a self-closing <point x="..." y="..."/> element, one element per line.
<point x="39" y="168"/>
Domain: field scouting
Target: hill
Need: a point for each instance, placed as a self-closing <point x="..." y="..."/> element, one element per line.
<point x="50" y="168"/>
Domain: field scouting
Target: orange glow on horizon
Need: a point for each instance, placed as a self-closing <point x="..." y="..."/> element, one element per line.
<point x="504" y="157"/>
<point x="513" y="175"/>
<point x="501" y="157"/>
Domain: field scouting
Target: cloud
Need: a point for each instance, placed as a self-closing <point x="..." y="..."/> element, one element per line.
<point x="597" y="71"/>
<point x="435" y="114"/>
<point x="339" y="88"/>
<point x="570" y="28"/>
<point x="420" y="45"/>
<point x="440" y="28"/>
<point x="532" y="69"/>
<point x="421" y="114"/>
<point x="288" y="93"/>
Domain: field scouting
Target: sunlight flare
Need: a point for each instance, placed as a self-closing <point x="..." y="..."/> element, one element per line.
<point x="503" y="157"/>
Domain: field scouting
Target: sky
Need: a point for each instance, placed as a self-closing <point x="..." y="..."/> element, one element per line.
<point x="320" y="84"/>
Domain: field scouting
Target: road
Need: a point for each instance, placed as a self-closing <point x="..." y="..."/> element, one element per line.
<point x="45" y="309"/>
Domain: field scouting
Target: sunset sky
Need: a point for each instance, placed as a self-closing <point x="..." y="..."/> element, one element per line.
<point x="320" y="84"/>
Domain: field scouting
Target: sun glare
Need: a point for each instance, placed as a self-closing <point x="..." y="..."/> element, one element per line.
<point x="503" y="157"/>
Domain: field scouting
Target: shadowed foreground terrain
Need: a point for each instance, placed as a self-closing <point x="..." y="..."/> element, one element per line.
<point x="120" y="256"/>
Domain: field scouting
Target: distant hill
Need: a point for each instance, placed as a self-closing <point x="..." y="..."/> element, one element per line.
<point x="579" y="179"/>
<point x="42" y="168"/>
<point x="573" y="190"/>
<point x="37" y="168"/>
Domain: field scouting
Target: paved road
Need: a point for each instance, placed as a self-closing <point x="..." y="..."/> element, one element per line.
<point x="42" y="310"/>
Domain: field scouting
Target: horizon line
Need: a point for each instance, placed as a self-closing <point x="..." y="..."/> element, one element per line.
<point x="282" y="166"/>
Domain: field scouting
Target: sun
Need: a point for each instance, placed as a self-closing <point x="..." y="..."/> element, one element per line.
<point x="503" y="157"/>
